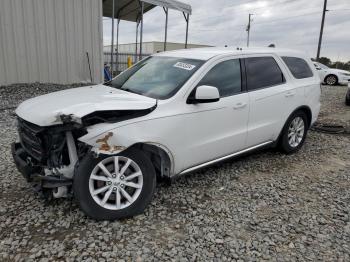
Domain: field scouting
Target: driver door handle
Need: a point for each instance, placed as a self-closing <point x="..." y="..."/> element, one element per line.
<point x="239" y="106"/>
<point x="289" y="94"/>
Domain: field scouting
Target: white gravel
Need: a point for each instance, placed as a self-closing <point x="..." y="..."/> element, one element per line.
<point x="267" y="206"/>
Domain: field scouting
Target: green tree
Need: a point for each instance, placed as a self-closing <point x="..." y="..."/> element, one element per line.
<point x="338" y="64"/>
<point x="326" y="61"/>
<point x="346" y="66"/>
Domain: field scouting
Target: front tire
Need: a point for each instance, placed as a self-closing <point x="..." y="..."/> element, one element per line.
<point x="114" y="187"/>
<point x="294" y="133"/>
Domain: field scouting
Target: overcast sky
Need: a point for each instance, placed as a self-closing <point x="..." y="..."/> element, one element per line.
<point x="286" y="23"/>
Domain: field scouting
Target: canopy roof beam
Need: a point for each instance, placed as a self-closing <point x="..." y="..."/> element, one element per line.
<point x="128" y="10"/>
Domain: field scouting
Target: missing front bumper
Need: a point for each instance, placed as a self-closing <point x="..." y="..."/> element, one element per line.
<point x="21" y="160"/>
<point x="33" y="173"/>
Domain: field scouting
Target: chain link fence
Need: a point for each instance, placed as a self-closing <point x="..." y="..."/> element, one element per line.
<point x="120" y="61"/>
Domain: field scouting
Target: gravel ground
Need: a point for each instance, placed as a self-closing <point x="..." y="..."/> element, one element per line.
<point x="266" y="206"/>
<point x="333" y="109"/>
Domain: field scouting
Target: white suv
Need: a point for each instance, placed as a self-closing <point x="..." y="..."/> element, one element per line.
<point x="168" y="115"/>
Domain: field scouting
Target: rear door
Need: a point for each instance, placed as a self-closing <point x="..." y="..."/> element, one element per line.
<point x="268" y="94"/>
<point x="305" y="80"/>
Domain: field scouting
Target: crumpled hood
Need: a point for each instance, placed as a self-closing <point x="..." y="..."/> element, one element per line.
<point x="45" y="110"/>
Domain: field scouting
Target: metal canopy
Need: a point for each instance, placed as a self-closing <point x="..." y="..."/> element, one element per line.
<point x="133" y="11"/>
<point x="129" y="10"/>
<point x="171" y="4"/>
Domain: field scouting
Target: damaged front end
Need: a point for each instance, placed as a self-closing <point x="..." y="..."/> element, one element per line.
<point x="47" y="156"/>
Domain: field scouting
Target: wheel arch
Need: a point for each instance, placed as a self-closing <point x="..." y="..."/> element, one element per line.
<point x="110" y="143"/>
<point x="306" y="109"/>
<point x="160" y="156"/>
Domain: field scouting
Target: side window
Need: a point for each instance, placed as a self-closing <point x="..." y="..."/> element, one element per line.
<point x="226" y="76"/>
<point x="263" y="72"/>
<point x="299" y="68"/>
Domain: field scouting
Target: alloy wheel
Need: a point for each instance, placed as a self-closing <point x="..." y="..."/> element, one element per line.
<point x="296" y="132"/>
<point x="116" y="182"/>
<point x="331" y="80"/>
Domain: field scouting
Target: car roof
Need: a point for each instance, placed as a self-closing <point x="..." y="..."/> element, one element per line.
<point x="210" y="52"/>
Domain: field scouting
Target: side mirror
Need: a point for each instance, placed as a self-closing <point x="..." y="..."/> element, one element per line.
<point x="318" y="68"/>
<point x="204" y="94"/>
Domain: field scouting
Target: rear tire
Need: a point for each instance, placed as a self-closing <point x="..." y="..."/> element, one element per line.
<point x="294" y="133"/>
<point x="126" y="183"/>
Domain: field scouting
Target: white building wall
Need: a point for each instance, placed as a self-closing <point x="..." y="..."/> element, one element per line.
<point x="46" y="41"/>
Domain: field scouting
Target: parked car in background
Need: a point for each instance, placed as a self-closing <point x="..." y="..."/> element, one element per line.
<point x="347" y="97"/>
<point x="168" y="115"/>
<point x="332" y="76"/>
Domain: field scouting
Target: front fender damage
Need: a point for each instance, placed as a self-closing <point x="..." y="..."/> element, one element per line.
<point x="106" y="143"/>
<point x="161" y="157"/>
<point x="105" y="146"/>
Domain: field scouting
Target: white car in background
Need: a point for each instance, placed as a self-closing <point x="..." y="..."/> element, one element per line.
<point x="332" y="76"/>
<point x="168" y="115"/>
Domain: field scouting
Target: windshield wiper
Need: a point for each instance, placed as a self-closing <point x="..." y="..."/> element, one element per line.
<point x="129" y="90"/>
<point x="108" y="83"/>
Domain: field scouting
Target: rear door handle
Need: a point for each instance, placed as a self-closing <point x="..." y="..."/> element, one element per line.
<point x="240" y="105"/>
<point x="290" y="94"/>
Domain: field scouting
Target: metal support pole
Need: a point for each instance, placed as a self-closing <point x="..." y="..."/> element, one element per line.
<point x="141" y="30"/>
<point x="187" y="18"/>
<point x="321" y="31"/>
<point x="248" y="29"/>
<point x="137" y="36"/>
<point x="166" y="10"/>
<point x="117" y="47"/>
<point x="188" y="22"/>
<point x="112" y="45"/>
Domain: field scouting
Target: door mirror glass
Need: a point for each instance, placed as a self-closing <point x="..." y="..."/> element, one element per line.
<point x="205" y="94"/>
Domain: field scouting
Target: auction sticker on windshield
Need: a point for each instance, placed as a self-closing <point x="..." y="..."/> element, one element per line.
<point x="185" y="66"/>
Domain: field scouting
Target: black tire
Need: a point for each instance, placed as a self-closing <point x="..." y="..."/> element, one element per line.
<point x="347" y="99"/>
<point x="92" y="209"/>
<point x="284" y="144"/>
<point x="331" y="80"/>
<point x="347" y="102"/>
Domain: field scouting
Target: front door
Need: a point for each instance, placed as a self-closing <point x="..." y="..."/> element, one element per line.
<point x="219" y="128"/>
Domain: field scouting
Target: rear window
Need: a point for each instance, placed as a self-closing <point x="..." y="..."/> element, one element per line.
<point x="298" y="67"/>
<point x="263" y="72"/>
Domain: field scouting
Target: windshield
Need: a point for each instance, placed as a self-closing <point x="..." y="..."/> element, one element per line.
<point x="157" y="77"/>
<point x="322" y="66"/>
